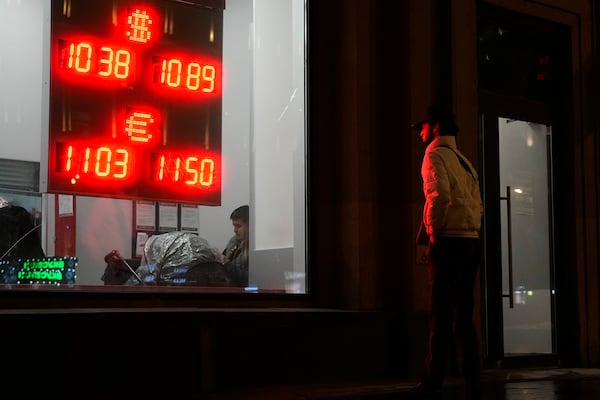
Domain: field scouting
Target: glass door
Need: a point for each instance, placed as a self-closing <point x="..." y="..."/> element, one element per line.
<point x="518" y="271"/>
<point x="525" y="222"/>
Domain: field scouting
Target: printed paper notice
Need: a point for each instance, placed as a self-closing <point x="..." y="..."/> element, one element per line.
<point x="167" y="217"/>
<point x="145" y="216"/>
<point x="189" y="218"/>
<point x="65" y="205"/>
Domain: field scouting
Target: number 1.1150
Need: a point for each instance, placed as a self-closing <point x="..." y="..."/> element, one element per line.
<point x="189" y="170"/>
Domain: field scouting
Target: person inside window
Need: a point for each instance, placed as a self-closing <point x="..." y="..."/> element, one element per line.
<point x="235" y="255"/>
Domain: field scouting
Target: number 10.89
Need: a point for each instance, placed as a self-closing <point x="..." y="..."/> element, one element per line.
<point x="176" y="73"/>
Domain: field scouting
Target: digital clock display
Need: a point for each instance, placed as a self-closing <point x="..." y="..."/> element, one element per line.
<point x="135" y="99"/>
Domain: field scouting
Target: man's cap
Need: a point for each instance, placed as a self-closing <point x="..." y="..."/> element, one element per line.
<point x="437" y="114"/>
<point x="418" y="125"/>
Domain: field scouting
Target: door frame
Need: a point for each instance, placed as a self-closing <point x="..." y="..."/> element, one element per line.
<point x="491" y="107"/>
<point x="557" y="108"/>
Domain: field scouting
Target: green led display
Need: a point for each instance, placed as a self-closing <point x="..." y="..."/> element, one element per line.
<point x="50" y="270"/>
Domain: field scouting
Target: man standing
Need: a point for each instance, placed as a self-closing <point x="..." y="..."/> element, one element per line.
<point x="452" y="220"/>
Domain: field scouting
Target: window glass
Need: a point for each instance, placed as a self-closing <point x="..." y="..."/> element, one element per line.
<point x="170" y="139"/>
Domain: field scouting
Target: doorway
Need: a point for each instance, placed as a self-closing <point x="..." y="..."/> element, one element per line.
<point x="518" y="241"/>
<point x="522" y="69"/>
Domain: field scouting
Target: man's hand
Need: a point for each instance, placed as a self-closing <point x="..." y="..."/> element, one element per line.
<point x="432" y="240"/>
<point x="422" y="256"/>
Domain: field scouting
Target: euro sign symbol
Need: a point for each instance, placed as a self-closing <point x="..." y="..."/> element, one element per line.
<point x="137" y="126"/>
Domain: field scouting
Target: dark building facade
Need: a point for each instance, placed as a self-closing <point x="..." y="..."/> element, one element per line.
<point x="373" y="68"/>
<point x="499" y="64"/>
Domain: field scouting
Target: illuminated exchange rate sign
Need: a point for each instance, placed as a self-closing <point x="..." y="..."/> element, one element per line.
<point x="135" y="99"/>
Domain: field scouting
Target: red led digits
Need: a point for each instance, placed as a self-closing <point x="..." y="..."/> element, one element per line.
<point x="190" y="75"/>
<point x="101" y="161"/>
<point x="189" y="170"/>
<point x="114" y="63"/>
<point x="80" y="57"/>
<point x="84" y="57"/>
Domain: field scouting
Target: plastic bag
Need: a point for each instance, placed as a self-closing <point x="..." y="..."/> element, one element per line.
<point x="180" y="258"/>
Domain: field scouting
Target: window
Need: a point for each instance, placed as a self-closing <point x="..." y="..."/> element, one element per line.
<point x="208" y="101"/>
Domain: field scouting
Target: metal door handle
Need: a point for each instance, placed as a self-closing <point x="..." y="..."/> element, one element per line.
<point x="511" y="291"/>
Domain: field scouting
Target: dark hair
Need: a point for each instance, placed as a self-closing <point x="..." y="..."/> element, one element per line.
<point x="241" y="213"/>
<point x="443" y="117"/>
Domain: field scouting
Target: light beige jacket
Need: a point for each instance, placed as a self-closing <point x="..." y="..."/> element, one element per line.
<point x="453" y="205"/>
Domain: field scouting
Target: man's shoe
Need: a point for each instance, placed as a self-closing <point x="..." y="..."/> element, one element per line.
<point x="473" y="393"/>
<point x="426" y="391"/>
